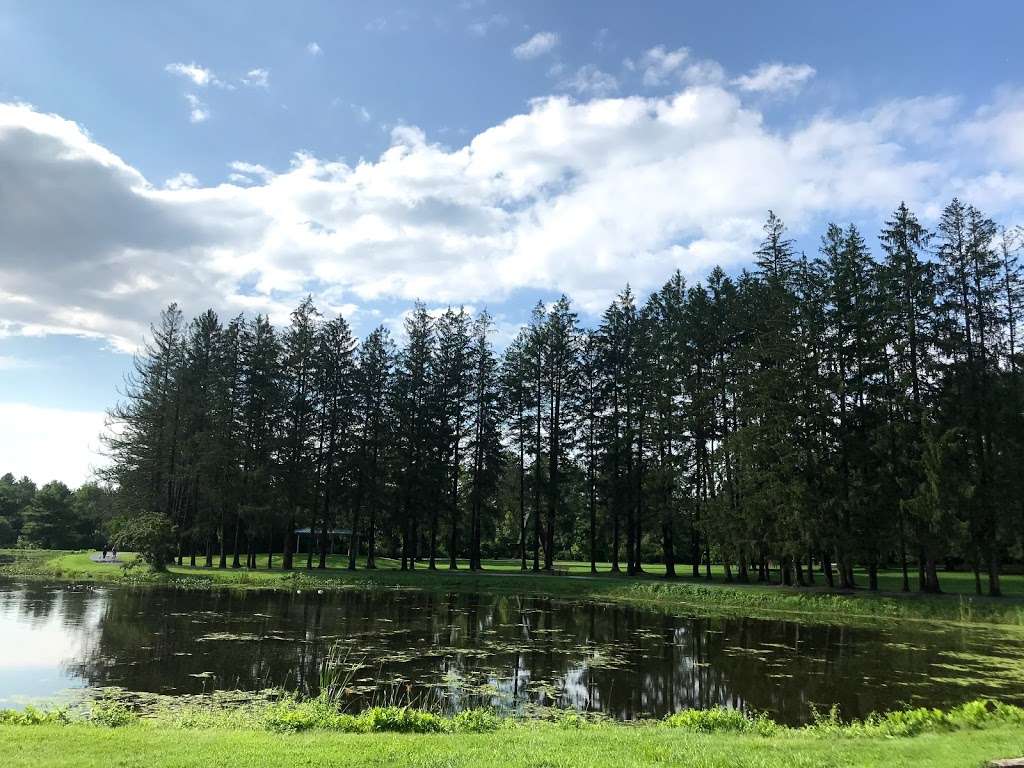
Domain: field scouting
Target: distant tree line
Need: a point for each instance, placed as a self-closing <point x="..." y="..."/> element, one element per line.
<point x="54" y="516"/>
<point x="811" y="415"/>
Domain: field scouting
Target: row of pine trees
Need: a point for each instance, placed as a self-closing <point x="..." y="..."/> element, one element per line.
<point x="815" y="417"/>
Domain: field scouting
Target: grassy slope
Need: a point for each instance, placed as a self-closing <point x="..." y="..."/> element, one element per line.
<point x="84" y="746"/>
<point x="504" y="577"/>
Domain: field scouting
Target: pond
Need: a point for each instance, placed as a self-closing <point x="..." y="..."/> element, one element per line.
<point x="464" y="650"/>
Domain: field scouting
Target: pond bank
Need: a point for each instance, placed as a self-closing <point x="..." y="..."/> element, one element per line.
<point x="687" y="594"/>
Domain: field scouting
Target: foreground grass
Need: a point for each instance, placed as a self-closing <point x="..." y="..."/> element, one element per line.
<point x="275" y="735"/>
<point x="573" y="581"/>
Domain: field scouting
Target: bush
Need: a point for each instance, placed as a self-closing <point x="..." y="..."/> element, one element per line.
<point x="290" y="715"/>
<point x="475" y="721"/>
<point x="721" y="719"/>
<point x="151" y="534"/>
<point x="979" y="713"/>
<point x="400" y="720"/>
<point x="982" y="712"/>
<point x="33" y="716"/>
<point x="911" y="722"/>
<point x="111" y="713"/>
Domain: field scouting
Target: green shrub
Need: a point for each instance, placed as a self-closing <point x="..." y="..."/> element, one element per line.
<point x="400" y="720"/>
<point x="475" y="721"/>
<point x="721" y="719"/>
<point x="570" y="720"/>
<point x="33" y="716"/>
<point x="111" y="713"/>
<point x="319" y="713"/>
<point x="910" y="722"/>
<point x="979" y="713"/>
<point x="152" y="535"/>
<point x="982" y="712"/>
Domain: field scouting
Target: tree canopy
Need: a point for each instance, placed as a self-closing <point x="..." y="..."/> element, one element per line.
<point x="817" y="414"/>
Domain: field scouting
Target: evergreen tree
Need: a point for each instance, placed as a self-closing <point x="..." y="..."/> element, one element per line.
<point x="373" y="392"/>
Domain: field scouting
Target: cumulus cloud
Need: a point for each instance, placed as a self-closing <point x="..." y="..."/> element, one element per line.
<point x="182" y="180"/>
<point x="257" y="78"/>
<point x="198" y="112"/>
<point x="659" y="66"/>
<point x="588" y="80"/>
<point x="536" y="46"/>
<point x="199" y="75"/>
<point x="775" y="78"/>
<point x="574" y="196"/>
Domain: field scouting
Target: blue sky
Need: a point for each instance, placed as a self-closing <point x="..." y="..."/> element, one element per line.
<point x="242" y="154"/>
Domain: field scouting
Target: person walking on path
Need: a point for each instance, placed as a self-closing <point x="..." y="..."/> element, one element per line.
<point x="104" y="551"/>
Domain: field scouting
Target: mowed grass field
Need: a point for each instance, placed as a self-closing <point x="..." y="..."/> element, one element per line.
<point x="572" y="580"/>
<point x="889" y="581"/>
<point x="538" y="746"/>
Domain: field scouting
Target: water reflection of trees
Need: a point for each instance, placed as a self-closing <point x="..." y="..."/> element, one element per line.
<point x="465" y="650"/>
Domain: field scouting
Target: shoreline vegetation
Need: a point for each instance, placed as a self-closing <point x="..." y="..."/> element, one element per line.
<point x="274" y="728"/>
<point x="712" y="597"/>
<point x="271" y="733"/>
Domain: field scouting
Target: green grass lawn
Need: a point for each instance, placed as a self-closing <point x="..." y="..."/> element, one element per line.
<point x="573" y="581"/>
<point x="536" y="746"/>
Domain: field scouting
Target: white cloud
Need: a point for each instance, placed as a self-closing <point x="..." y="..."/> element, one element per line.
<point x="574" y="196"/>
<point x="50" y="443"/>
<point x="661" y="67"/>
<point x="588" y="80"/>
<point x="248" y="173"/>
<point x="775" y="78"/>
<point x="314" y="49"/>
<point x="538" y="45"/>
<point x="257" y="78"/>
<point x="658" y="64"/>
<point x="198" y="111"/>
<point x="999" y="127"/>
<point x="182" y="180"/>
<point x="250" y="168"/>
<point x="199" y="75"/>
<point x="481" y="27"/>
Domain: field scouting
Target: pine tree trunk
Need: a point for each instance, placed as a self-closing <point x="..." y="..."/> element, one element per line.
<point x="235" y="562"/>
<point x="222" y="562"/>
<point x="994" y="588"/>
<point x="667" y="547"/>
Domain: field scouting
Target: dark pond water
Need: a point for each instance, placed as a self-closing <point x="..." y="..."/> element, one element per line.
<point x="463" y="650"/>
